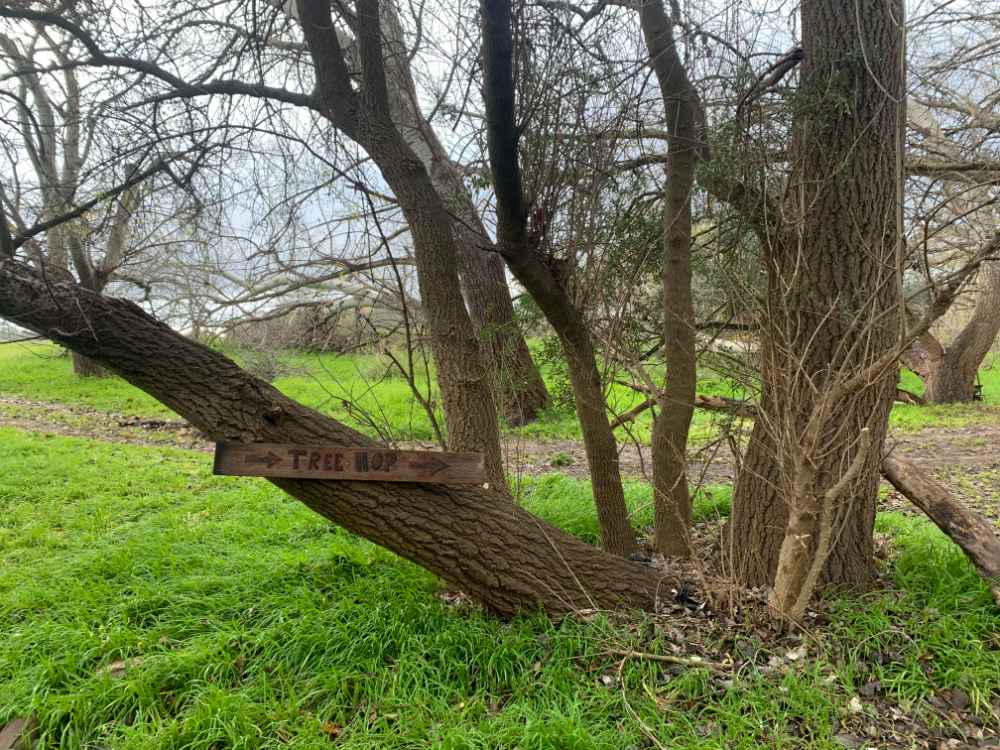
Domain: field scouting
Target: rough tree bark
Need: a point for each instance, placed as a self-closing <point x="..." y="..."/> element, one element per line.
<point x="673" y="510"/>
<point x="975" y="536"/>
<point x="617" y="535"/>
<point x="832" y="291"/>
<point x="497" y="552"/>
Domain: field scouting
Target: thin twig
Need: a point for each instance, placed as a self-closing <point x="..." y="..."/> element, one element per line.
<point x="643" y="656"/>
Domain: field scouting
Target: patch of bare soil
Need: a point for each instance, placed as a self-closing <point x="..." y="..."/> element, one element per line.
<point x="964" y="460"/>
<point x="973" y="448"/>
<point x="70" y="421"/>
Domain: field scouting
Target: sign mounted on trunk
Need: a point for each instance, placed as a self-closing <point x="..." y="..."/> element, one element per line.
<point x="349" y="464"/>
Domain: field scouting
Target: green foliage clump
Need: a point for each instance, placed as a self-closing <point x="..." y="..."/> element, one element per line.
<point x="562" y="459"/>
<point x="548" y="355"/>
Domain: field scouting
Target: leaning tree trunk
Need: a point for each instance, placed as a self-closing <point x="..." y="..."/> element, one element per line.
<point x="832" y="301"/>
<point x="502" y="135"/>
<point x="520" y="390"/>
<point x="673" y="512"/>
<point x="497" y="552"/>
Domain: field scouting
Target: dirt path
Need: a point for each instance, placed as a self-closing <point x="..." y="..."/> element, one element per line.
<point x="534" y="458"/>
<point x="973" y="449"/>
<point x="966" y="460"/>
<point x="71" y="421"/>
<point x="525" y="456"/>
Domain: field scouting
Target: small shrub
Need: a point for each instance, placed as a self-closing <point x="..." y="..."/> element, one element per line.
<point x="268" y="365"/>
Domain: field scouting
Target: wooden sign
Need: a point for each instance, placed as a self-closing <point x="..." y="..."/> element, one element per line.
<point x="354" y="464"/>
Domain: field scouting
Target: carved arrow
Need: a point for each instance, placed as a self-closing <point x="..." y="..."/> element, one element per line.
<point x="435" y="465"/>
<point x="270" y="459"/>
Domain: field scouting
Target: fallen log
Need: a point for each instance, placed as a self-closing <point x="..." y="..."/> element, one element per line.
<point x="965" y="527"/>
<point x="20" y="734"/>
<point x="631" y="414"/>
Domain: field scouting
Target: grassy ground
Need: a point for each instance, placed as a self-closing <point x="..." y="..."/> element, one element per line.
<point x="247" y="621"/>
<point x="369" y="383"/>
<point x="912" y="418"/>
<point x="568" y="503"/>
<point x="38" y="372"/>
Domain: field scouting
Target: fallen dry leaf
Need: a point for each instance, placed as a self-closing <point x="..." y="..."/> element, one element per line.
<point x="117" y="669"/>
<point x="19" y="734"/>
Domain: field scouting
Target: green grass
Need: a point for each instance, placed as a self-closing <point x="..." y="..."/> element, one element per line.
<point x="989" y="377"/>
<point x="368" y="382"/>
<point x="255" y="623"/>
<point x="39" y="372"/>
<point x="324" y="382"/>
<point x="945" y="629"/>
<point x="569" y="503"/>
<point x="908" y="418"/>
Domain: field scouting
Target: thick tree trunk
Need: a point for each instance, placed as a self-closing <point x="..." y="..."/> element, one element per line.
<point x="753" y="535"/>
<point x="951" y="375"/>
<point x="519" y="387"/>
<point x="945" y="385"/>
<point x="832" y="300"/>
<point x="974" y="535"/>
<point x="617" y="535"/>
<point x="497" y="552"/>
<point x="673" y="510"/>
